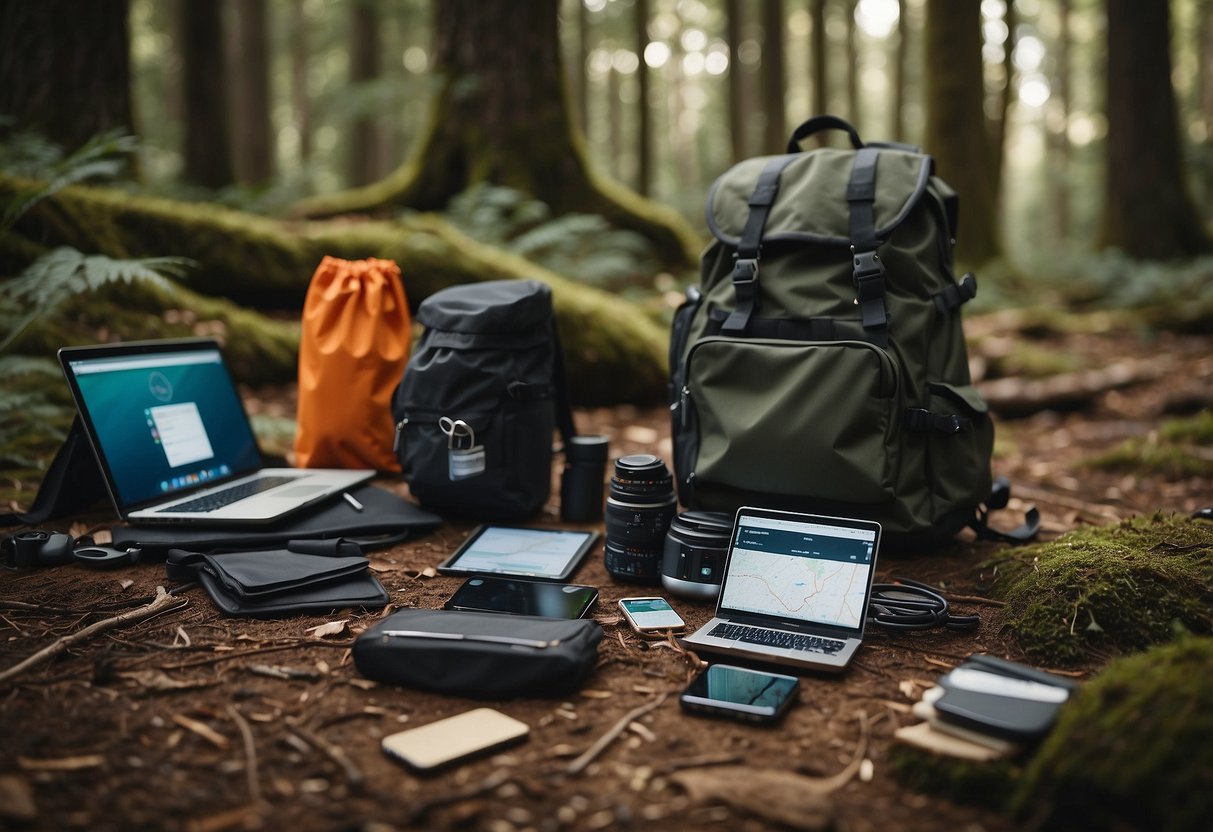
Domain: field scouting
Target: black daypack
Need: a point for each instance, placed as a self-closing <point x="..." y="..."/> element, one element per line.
<point x="480" y="396"/>
<point x="820" y="365"/>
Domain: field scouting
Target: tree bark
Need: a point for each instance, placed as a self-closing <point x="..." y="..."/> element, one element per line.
<point x="1059" y="139"/>
<point x="300" y="100"/>
<point x="998" y="129"/>
<point x="852" y="65"/>
<point x="737" y="103"/>
<point x="501" y="115"/>
<point x="897" y="101"/>
<point x="614" y="352"/>
<point x="364" y="150"/>
<point x="1147" y="210"/>
<point x="644" y="119"/>
<point x="253" y="153"/>
<point x="820" y="101"/>
<point x="774" y="79"/>
<point x="65" y="68"/>
<point x="207" y="155"/>
<point x="957" y="134"/>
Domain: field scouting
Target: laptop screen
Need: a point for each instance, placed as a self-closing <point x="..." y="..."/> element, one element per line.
<point x="800" y="568"/>
<point x="166" y="422"/>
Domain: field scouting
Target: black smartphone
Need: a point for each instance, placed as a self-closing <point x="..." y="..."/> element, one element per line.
<point x="740" y="693"/>
<point x="489" y="593"/>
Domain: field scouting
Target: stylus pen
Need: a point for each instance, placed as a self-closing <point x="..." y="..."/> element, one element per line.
<point x="520" y="642"/>
<point x="349" y="498"/>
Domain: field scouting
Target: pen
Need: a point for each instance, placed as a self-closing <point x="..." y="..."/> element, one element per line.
<point x="349" y="498"/>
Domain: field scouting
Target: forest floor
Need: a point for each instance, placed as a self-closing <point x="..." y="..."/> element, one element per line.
<point x="192" y="720"/>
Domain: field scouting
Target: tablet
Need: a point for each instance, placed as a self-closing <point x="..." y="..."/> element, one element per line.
<point x="546" y="554"/>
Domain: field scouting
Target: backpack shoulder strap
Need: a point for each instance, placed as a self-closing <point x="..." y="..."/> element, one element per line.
<point x="999" y="495"/>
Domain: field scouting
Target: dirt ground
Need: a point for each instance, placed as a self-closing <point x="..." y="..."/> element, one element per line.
<point x="191" y="720"/>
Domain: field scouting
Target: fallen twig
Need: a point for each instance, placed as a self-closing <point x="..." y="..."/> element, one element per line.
<point x="353" y="775"/>
<point x="163" y="602"/>
<point x="250" y="754"/>
<point x="591" y="753"/>
<point x="700" y="762"/>
<point x="491" y="783"/>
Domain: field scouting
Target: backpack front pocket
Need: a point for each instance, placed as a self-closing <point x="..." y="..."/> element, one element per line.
<point x="797" y="419"/>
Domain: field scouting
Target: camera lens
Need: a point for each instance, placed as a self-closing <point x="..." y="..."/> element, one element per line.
<point x="694" y="555"/>
<point x="581" y="485"/>
<point x="639" y="508"/>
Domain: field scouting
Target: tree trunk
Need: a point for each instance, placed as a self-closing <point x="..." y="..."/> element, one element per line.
<point x="578" y="77"/>
<point x="897" y="118"/>
<point x="1147" y="210"/>
<point x="1204" y="59"/>
<point x="208" y="158"/>
<point x="501" y="115"/>
<point x="737" y="102"/>
<point x="615" y="353"/>
<point x="819" y="102"/>
<point x="253" y="153"/>
<point x="774" y="79"/>
<point x="956" y="132"/>
<point x="644" y="129"/>
<point x="65" y="68"/>
<point x="300" y="99"/>
<point x="998" y="129"/>
<point x="852" y="65"/>
<point x="1059" y="139"/>
<point x="364" y="70"/>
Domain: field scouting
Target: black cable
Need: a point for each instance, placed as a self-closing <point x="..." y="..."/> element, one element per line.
<point x="910" y="605"/>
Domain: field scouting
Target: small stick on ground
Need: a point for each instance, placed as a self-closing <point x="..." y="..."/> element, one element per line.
<point x="491" y="783"/>
<point x="163" y="602"/>
<point x="353" y="775"/>
<point x="579" y="765"/>
<point x="701" y="762"/>
<point x="250" y="754"/>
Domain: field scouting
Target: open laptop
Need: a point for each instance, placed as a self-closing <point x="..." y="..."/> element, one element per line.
<point x="795" y="590"/>
<point x="173" y="439"/>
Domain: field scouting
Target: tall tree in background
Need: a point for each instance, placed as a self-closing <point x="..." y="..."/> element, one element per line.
<point x="774" y="79"/>
<point x="1058" y="138"/>
<point x="998" y="127"/>
<point x="65" y="68"/>
<point x="253" y="150"/>
<point x="819" y="100"/>
<point x="579" y="78"/>
<point x="644" y="119"/>
<point x="737" y="133"/>
<point x="957" y="134"/>
<point x="208" y="158"/>
<point x="364" y="149"/>
<point x="501" y="114"/>
<point x="1204" y="53"/>
<point x="1147" y="211"/>
<point x="852" y="51"/>
<point x="897" y="101"/>
<point x="300" y="99"/>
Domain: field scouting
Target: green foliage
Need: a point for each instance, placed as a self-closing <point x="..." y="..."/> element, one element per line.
<point x="964" y="781"/>
<point x="1108" y="589"/>
<point x="582" y="247"/>
<point x="35" y="412"/>
<point x="65" y="273"/>
<point x="1132" y="749"/>
<point x="30" y="156"/>
<point x="1179" y="449"/>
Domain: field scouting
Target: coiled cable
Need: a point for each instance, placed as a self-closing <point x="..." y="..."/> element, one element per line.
<point x="910" y="605"/>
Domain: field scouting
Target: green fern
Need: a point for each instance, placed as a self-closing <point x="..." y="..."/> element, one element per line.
<point x="65" y="272"/>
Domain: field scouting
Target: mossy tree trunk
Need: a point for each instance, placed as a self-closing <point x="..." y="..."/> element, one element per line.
<point x="501" y="115"/>
<point x="615" y="353"/>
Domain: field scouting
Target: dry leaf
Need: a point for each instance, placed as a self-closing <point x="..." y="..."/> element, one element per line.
<point x="362" y="684"/>
<point x="126" y="583"/>
<point x="158" y="680"/>
<point x="17" y="799"/>
<point x="596" y="694"/>
<point x="908" y="689"/>
<point x="333" y="628"/>
<point x="428" y="572"/>
<point x="183" y="637"/>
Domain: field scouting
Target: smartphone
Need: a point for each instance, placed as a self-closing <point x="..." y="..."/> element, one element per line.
<point x="740" y="693"/>
<point x="432" y="747"/>
<point x="519" y="597"/>
<point x="650" y="615"/>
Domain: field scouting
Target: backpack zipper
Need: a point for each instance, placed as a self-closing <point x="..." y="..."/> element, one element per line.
<point x="399" y="433"/>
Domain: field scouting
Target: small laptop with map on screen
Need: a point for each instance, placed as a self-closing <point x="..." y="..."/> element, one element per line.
<point x="795" y="590"/>
<point x="174" y="442"/>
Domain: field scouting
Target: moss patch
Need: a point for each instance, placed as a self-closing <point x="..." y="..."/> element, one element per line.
<point x="962" y="781"/>
<point x="1133" y="749"/>
<point x="1110" y="589"/>
<point x="1179" y="449"/>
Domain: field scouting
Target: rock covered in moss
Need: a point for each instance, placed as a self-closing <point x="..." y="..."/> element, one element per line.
<point x="1109" y="589"/>
<point x="1133" y="749"/>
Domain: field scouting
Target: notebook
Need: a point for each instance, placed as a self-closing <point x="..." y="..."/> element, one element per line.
<point x="173" y="439"/>
<point x="795" y="590"/>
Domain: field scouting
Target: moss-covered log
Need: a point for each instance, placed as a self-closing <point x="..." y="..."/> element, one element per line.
<point x="615" y="352"/>
<point x="500" y="114"/>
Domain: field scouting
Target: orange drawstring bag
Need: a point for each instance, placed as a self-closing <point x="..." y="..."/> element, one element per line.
<point x="352" y="351"/>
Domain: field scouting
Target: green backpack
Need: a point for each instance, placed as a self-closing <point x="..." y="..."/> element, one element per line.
<point x="820" y="365"/>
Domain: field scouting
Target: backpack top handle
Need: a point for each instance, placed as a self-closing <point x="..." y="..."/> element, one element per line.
<point x="819" y="123"/>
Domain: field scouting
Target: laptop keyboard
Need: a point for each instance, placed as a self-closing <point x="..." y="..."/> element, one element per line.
<point x="219" y="499"/>
<point x="777" y="638"/>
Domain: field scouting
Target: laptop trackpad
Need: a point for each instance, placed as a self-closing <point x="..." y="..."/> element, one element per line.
<point x="297" y="491"/>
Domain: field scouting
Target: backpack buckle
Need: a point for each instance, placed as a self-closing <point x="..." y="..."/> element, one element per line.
<point x="745" y="271"/>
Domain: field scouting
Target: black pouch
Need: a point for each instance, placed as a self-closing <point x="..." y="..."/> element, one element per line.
<point x="384" y="520"/>
<point x="479" y="655"/>
<point x="306" y="577"/>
